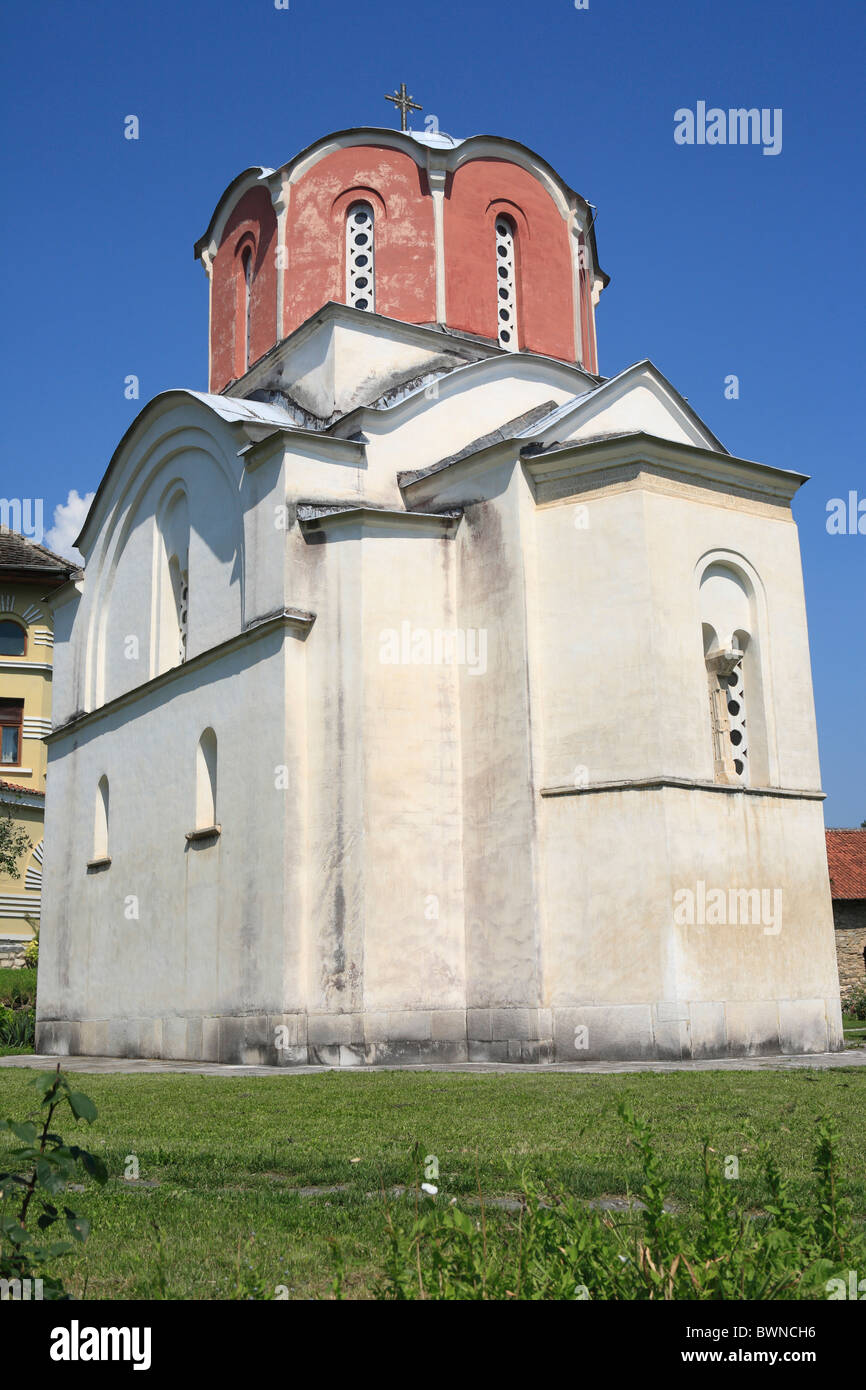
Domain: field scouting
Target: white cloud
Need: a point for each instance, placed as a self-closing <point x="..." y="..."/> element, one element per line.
<point x="68" y="521"/>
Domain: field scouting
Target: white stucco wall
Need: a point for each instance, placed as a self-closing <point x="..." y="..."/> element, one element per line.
<point x="422" y="859"/>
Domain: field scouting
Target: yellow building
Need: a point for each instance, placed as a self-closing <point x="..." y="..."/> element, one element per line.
<point x="27" y="573"/>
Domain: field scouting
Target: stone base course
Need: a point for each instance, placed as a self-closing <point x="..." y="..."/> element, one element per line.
<point x="671" y="1031"/>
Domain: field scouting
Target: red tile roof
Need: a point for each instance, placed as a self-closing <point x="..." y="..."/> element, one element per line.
<point x="16" y="787"/>
<point x="846" y="856"/>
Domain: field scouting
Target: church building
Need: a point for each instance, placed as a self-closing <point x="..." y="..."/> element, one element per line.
<point x="428" y="695"/>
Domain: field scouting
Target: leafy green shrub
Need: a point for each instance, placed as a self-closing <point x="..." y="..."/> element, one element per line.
<point x="558" y="1249"/>
<point x="31" y="954"/>
<point x="854" y="1002"/>
<point x="42" y="1167"/>
<point x="17" y="1011"/>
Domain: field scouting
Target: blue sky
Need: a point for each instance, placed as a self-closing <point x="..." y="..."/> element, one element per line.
<point x="723" y="260"/>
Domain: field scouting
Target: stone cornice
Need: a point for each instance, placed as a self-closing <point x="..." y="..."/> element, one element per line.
<point x="424" y="486"/>
<point x="317" y="516"/>
<point x="22" y="664"/>
<point x="349" y="451"/>
<point x="294" y="618"/>
<point x="628" y="784"/>
<point x="595" y="462"/>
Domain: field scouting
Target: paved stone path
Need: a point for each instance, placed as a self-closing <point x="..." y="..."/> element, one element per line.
<point x="132" y="1066"/>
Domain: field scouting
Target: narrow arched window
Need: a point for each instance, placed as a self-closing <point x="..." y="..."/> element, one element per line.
<point x="173" y="596"/>
<point x="13" y="639"/>
<point x="180" y="588"/>
<point x="360" y="257"/>
<point x="247" y="272"/>
<point x="506" y="284"/>
<point x="206" y="781"/>
<point x="100" y="821"/>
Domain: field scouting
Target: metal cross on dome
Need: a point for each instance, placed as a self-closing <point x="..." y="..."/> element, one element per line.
<point x="405" y="103"/>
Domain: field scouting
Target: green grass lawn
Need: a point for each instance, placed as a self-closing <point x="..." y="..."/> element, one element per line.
<point x="221" y="1160"/>
<point x="17" y="986"/>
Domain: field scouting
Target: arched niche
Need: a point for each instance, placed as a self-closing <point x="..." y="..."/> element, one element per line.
<point x="730" y="630"/>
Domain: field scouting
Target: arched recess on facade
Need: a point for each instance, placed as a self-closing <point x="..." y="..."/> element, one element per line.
<point x="244" y="287"/>
<point x="101" y="821"/>
<point x="507" y="231"/>
<point x="168" y="460"/>
<point x="733" y="625"/>
<point x="245" y="268"/>
<point x="346" y="202"/>
<point x="206" y="781"/>
<point x="170" y="606"/>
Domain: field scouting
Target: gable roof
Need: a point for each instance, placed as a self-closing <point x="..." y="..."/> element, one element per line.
<point x="19" y="553"/>
<point x="548" y="429"/>
<point x="846" y="859"/>
<point x="567" y="416"/>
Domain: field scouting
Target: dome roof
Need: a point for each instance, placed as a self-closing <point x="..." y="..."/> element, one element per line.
<point x="477" y="234"/>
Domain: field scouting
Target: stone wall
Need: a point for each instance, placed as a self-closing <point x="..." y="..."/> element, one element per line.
<point x="850" y="921"/>
<point x="12" y="950"/>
